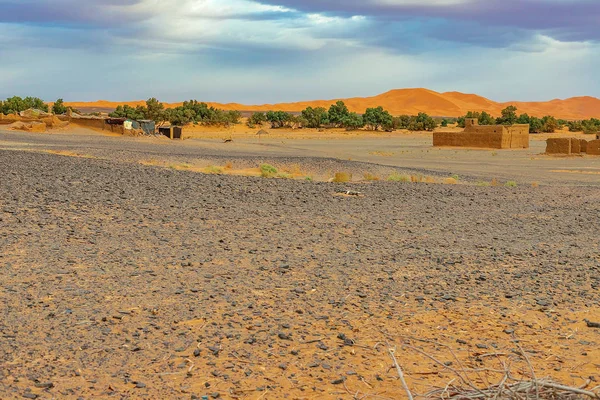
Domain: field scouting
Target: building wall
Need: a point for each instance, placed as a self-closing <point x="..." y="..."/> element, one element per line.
<point x="485" y="136"/>
<point x="95" y="123"/>
<point x="519" y="136"/>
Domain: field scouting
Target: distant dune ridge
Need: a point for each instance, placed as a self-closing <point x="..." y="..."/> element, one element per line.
<point x="411" y="102"/>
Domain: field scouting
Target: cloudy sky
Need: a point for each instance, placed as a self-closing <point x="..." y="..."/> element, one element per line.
<point x="284" y="50"/>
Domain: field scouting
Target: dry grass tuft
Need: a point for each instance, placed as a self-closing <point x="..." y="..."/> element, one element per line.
<point x="370" y="177"/>
<point x="342" y="177"/>
<point x="212" y="169"/>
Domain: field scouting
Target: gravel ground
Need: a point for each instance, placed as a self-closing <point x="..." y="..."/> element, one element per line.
<point x="130" y="281"/>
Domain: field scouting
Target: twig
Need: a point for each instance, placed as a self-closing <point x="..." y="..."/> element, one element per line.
<point x="400" y="374"/>
<point x="537" y="388"/>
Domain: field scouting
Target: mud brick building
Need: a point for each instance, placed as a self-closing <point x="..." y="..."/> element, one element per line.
<point x="485" y="136"/>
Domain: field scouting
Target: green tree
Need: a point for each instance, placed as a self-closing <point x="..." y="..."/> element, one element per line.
<point x="402" y="122"/>
<point x="535" y="125"/>
<point x="376" y="118"/>
<point x="155" y="110"/>
<point x="16" y="104"/>
<point x="58" y="107"/>
<point x="422" y="122"/>
<point x="279" y="119"/>
<point x="257" y="118"/>
<point x="549" y="124"/>
<point x="126" y="111"/>
<point x="524" y="119"/>
<point x="486" y="119"/>
<point x="353" y="121"/>
<point x="337" y="113"/>
<point x="316" y="117"/>
<point x="509" y="116"/>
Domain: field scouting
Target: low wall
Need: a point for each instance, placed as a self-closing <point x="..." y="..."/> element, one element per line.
<point x="470" y="139"/>
<point x="485" y="137"/>
<point x="593" y="147"/>
<point x="558" y="146"/>
<point x="575" y="146"/>
<point x="519" y="136"/>
<point x="88" y="122"/>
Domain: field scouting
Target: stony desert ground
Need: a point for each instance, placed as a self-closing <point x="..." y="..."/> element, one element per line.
<point x="128" y="273"/>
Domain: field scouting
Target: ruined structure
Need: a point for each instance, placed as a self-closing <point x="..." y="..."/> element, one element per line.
<point x="572" y="146"/>
<point x="485" y="136"/>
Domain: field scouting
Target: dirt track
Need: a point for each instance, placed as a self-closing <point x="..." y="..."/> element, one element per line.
<point x="130" y="281"/>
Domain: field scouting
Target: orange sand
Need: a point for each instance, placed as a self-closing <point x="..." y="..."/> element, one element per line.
<point x="413" y="101"/>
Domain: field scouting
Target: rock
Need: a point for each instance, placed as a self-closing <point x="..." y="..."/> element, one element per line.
<point x="338" y="381"/>
<point x="140" y="385"/>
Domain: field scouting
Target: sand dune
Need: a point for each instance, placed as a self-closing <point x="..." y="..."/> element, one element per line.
<point x="413" y="101"/>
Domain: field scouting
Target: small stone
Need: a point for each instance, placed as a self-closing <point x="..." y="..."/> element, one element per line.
<point x="338" y="381"/>
<point x="140" y="385"/>
<point x="197" y="353"/>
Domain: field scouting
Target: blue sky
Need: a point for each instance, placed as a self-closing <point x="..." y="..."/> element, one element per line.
<point x="286" y="50"/>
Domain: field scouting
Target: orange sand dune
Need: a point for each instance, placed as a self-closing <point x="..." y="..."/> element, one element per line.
<point x="413" y="101"/>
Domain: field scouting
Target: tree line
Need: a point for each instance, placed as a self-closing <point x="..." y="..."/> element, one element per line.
<point x="16" y="104"/>
<point x="190" y="112"/>
<point x="547" y="124"/>
<point x="339" y="116"/>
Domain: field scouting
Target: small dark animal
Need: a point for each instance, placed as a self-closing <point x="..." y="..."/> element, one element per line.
<point x="227" y="140"/>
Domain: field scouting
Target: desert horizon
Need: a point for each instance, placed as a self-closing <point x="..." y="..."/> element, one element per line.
<point x="403" y="101"/>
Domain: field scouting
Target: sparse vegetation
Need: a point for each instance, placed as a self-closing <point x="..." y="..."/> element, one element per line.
<point x="342" y="177"/>
<point x="370" y="177"/>
<point x="511" y="184"/>
<point x="15" y="104"/>
<point x="212" y="169"/>
<point x="268" y="171"/>
<point x="190" y="112"/>
<point x="397" y="177"/>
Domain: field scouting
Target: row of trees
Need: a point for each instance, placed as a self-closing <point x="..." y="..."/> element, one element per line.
<point x="190" y="112"/>
<point x="16" y="104"/>
<point x="338" y="116"/>
<point x="547" y="124"/>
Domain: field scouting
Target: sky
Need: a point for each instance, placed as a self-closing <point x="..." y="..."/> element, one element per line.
<point x="268" y="51"/>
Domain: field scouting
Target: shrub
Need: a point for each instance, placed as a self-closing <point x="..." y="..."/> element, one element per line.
<point x="58" y="107"/>
<point x="342" y="177"/>
<point x="214" y="170"/>
<point x="396" y="177"/>
<point x="511" y="184"/>
<point x="268" y="171"/>
<point x="370" y="177"/>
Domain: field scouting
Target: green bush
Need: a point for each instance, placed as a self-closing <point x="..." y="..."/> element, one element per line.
<point x="268" y="171"/>
<point x="396" y="177"/>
